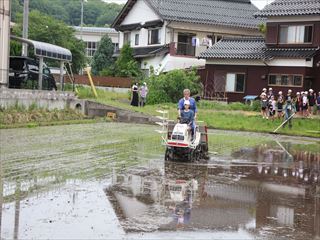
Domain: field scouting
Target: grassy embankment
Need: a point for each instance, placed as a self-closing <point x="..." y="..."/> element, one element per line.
<point x="235" y="116"/>
<point x="19" y="116"/>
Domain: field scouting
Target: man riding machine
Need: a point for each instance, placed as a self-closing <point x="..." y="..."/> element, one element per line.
<point x="185" y="141"/>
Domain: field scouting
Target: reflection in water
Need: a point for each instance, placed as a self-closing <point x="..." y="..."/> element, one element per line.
<point x="265" y="192"/>
<point x="51" y="187"/>
<point x="17" y="211"/>
<point x="301" y="165"/>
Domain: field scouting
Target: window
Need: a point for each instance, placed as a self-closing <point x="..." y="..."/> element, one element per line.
<point x="273" y="80"/>
<point x="218" y="38"/>
<point x="295" y="34"/>
<point x="154" y="36"/>
<point x="136" y="39"/>
<point x="235" y="82"/>
<point x="116" y="47"/>
<point x="297" y="80"/>
<point x="126" y="37"/>
<point x="186" y="44"/>
<point x="285" y="80"/>
<point x="91" y="48"/>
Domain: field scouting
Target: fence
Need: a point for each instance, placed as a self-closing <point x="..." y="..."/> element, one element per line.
<point x="119" y="82"/>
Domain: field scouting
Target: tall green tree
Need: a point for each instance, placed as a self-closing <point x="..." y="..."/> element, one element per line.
<point x="102" y="58"/>
<point x="126" y="65"/>
<point x="16" y="8"/>
<point x="47" y="29"/>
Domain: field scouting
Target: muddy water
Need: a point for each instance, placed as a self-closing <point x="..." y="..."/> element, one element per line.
<point x="109" y="181"/>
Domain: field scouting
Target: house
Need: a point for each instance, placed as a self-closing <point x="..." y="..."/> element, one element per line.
<point x="92" y="36"/>
<point x="287" y="58"/>
<point x="171" y="34"/>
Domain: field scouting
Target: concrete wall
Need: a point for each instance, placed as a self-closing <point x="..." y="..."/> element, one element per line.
<point x="45" y="99"/>
<point x="93" y="109"/>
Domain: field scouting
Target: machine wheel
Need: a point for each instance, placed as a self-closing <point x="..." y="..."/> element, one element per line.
<point x="168" y="155"/>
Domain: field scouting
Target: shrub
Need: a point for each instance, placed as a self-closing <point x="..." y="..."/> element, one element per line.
<point x="168" y="87"/>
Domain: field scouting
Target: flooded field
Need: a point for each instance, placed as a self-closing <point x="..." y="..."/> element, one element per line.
<point x="109" y="181"/>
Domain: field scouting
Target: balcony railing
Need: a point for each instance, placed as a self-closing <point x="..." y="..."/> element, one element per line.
<point x="182" y="49"/>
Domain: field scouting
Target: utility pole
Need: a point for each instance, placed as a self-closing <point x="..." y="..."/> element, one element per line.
<point x="25" y="26"/>
<point x="4" y="44"/>
<point x="81" y="20"/>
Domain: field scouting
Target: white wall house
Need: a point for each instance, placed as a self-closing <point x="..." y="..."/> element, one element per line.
<point x="171" y="35"/>
<point x="92" y="36"/>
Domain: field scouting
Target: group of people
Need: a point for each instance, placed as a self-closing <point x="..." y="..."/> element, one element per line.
<point x="303" y="103"/>
<point x="139" y="95"/>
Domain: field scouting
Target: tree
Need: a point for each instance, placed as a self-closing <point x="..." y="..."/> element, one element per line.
<point x="96" y="12"/>
<point x="52" y="8"/>
<point x="168" y="87"/>
<point x="47" y="29"/>
<point x="16" y="7"/>
<point x="108" y="15"/>
<point x="262" y="28"/>
<point x="102" y="58"/>
<point x="126" y="65"/>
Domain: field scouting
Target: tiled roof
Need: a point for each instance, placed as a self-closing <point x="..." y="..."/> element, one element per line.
<point x="290" y="8"/>
<point x="238" y="13"/>
<point x="129" y="27"/>
<point x="253" y="48"/>
<point x="95" y="29"/>
<point x="151" y="24"/>
<point x="290" y="52"/>
<point x="236" y="48"/>
<point x="233" y="13"/>
<point x="139" y="52"/>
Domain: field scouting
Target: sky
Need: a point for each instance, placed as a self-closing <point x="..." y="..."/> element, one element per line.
<point x="259" y="3"/>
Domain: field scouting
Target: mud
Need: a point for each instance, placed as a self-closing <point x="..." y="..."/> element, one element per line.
<point x="109" y="181"/>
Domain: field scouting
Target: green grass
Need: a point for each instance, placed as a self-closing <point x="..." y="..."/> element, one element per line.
<point x="20" y="116"/>
<point x="243" y="122"/>
<point x="52" y="123"/>
<point x="235" y="116"/>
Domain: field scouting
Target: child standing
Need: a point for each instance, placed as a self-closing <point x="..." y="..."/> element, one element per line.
<point x="272" y="107"/>
<point x="311" y="101"/>
<point x="305" y="104"/>
<point x="318" y="103"/>
<point x="280" y="105"/>
<point x="264" y="105"/>
<point x="289" y="108"/>
<point x="298" y="103"/>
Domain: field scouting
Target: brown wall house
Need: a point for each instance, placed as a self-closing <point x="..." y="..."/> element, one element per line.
<point x="256" y="78"/>
<point x="273" y="31"/>
<point x="287" y="58"/>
